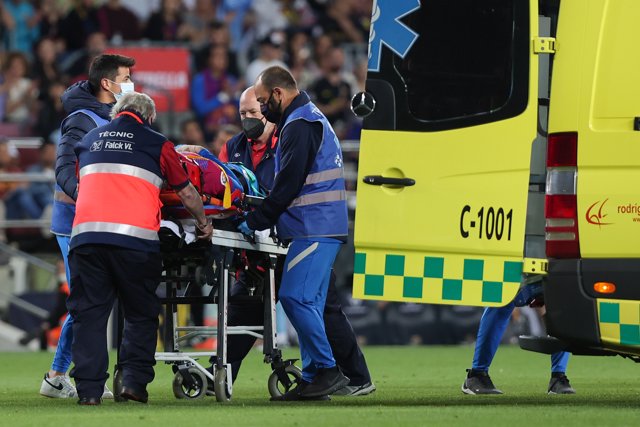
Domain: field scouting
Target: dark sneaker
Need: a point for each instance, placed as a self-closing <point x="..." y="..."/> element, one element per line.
<point x="356" y="390"/>
<point x="559" y="384"/>
<point x="293" y="395"/>
<point x="479" y="382"/>
<point x="326" y="381"/>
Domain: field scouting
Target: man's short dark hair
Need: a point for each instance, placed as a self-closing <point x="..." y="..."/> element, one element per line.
<point x="106" y="67"/>
<point x="277" y="77"/>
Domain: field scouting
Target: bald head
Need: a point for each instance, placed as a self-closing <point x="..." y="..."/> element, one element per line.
<point x="250" y="109"/>
<point x="249" y="105"/>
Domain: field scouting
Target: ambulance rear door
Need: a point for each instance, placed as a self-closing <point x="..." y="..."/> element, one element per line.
<point x="452" y="92"/>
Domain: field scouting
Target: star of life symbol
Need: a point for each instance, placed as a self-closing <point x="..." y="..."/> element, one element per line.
<point x="97" y="145"/>
<point x="388" y="30"/>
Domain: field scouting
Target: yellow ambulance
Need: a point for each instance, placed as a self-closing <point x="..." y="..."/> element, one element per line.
<point x="501" y="146"/>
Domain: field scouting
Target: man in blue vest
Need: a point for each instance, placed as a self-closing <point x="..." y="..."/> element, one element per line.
<point x="308" y="204"/>
<point x="89" y="105"/>
<point x="255" y="148"/>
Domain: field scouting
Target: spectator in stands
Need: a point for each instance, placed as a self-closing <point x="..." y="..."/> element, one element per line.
<point x="218" y="35"/>
<point x="50" y="19"/>
<point x="214" y="91"/>
<point x="192" y="133"/>
<point x="271" y="54"/>
<point x="9" y="163"/>
<point x="225" y="133"/>
<point x="20" y="91"/>
<point x="167" y="23"/>
<point x="198" y="20"/>
<point x="300" y="60"/>
<point x="232" y="13"/>
<point x="5" y="23"/>
<point x="118" y="22"/>
<point x="22" y="24"/>
<point x="321" y="46"/>
<point x="32" y="200"/>
<point x="143" y="9"/>
<point x="270" y="17"/>
<point x="45" y="68"/>
<point x="80" y="21"/>
<point x="51" y="113"/>
<point x="9" y="159"/>
<point x="342" y="23"/>
<point x="299" y="14"/>
<point x="331" y="93"/>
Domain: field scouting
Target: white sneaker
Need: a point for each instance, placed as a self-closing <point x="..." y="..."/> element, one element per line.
<point x="107" y="394"/>
<point x="58" y="387"/>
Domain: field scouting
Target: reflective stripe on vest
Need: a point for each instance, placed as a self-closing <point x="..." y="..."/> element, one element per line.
<point x="321" y="197"/>
<point x="122" y="169"/>
<point x="129" y="202"/>
<point x="110" y="227"/>
<point x="327" y="175"/>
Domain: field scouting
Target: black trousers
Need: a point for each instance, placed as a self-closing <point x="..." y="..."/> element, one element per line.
<point x="342" y="338"/>
<point x="99" y="273"/>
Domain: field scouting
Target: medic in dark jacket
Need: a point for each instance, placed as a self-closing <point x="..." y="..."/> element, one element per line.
<point x="89" y="105"/>
<point x="85" y="114"/>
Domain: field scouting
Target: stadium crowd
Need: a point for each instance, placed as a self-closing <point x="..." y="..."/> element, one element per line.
<point x="48" y="45"/>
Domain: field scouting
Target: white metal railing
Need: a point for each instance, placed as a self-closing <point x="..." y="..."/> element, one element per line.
<point x="26" y="141"/>
<point x="27" y="177"/>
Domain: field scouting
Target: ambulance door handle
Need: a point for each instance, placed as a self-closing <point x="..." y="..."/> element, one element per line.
<point x="382" y="180"/>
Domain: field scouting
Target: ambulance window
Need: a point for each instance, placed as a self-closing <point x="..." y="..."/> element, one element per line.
<point x="469" y="65"/>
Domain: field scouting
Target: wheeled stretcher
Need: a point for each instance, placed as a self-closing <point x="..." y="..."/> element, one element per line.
<point x="214" y="264"/>
<point x="190" y="263"/>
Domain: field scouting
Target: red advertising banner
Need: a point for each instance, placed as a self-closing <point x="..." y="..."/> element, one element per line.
<point x="162" y="73"/>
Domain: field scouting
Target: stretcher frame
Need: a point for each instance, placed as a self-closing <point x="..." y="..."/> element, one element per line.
<point x="191" y="377"/>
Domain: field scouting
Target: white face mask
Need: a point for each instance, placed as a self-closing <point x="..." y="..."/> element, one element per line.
<point x="125" y="87"/>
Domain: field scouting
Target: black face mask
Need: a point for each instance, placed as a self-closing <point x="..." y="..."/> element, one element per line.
<point x="271" y="113"/>
<point x="252" y="127"/>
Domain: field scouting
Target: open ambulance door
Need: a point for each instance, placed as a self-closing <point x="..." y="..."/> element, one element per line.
<point x="452" y="98"/>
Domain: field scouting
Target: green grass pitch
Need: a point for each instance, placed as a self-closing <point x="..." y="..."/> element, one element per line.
<point x="417" y="386"/>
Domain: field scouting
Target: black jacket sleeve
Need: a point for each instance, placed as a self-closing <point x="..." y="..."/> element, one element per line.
<point x="299" y="144"/>
<point x="73" y="129"/>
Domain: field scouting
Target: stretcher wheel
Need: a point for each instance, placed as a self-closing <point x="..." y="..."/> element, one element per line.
<point x="117" y="386"/>
<point x="276" y="387"/>
<point x="222" y="384"/>
<point x="183" y="391"/>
